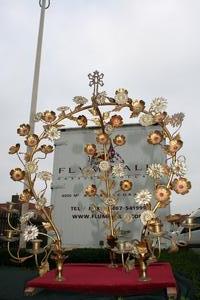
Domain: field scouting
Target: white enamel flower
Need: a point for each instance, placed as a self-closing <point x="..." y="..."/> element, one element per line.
<point x="88" y="171"/>
<point x="80" y="100"/>
<point x="135" y="251"/>
<point x="63" y="108"/>
<point x="38" y="117"/>
<point x="143" y="197"/>
<point x="44" y="175"/>
<point x="31" y="167"/>
<point x="176" y="119"/>
<point x="93" y="208"/>
<point x="158" y="105"/>
<point x="105" y="211"/>
<point x="108" y="129"/>
<point x="53" y="133"/>
<point x="146" y="216"/>
<point x="118" y="170"/>
<point x="26" y="217"/>
<point x="121" y="96"/>
<point x="30" y="232"/>
<point x="104" y="166"/>
<point x="111" y="201"/>
<point x="96" y="121"/>
<point x="127" y="218"/>
<point x="155" y="171"/>
<point x="40" y="203"/>
<point x="179" y="168"/>
<point x="101" y="98"/>
<point x="106" y="115"/>
<point x="146" y="120"/>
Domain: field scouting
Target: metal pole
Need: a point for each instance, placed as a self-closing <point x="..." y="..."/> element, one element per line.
<point x="44" y="4"/>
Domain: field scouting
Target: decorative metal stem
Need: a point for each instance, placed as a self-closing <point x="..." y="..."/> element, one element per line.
<point x="20" y="259"/>
<point x="108" y="194"/>
<point x="54" y="227"/>
<point x="14" y="228"/>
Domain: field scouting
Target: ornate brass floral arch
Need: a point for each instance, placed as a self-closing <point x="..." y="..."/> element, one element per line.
<point x="40" y="146"/>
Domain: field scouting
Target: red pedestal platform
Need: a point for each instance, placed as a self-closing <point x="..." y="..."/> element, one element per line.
<point x="100" y="279"/>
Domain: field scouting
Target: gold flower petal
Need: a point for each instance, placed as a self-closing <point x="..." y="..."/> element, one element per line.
<point x="14" y="149"/>
<point x="49" y="116"/>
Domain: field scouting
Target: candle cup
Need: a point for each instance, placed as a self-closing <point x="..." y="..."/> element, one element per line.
<point x="121" y="246"/>
<point x="155" y="226"/>
<point x="158" y="227"/>
<point x="36" y="247"/>
<point x="127" y="246"/>
<point x="9" y="233"/>
<point x="10" y="206"/>
<point x="189" y="221"/>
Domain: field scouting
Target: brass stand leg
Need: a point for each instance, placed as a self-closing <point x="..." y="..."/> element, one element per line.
<point x="123" y="264"/>
<point x="171" y="293"/>
<point x="112" y="260"/>
<point x="30" y="291"/>
<point x="59" y="275"/>
<point x="143" y="272"/>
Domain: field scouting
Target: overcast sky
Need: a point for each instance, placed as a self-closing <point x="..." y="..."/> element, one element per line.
<point x="150" y="47"/>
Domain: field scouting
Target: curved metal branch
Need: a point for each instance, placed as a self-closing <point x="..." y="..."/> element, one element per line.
<point x="20" y="259"/>
<point x="12" y="227"/>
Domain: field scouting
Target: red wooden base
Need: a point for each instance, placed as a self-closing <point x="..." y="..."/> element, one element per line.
<point x="100" y="279"/>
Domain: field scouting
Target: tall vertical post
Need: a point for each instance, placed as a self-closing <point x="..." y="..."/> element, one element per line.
<point x="44" y="4"/>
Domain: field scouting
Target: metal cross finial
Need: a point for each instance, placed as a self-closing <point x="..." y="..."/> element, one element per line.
<point x="96" y="81"/>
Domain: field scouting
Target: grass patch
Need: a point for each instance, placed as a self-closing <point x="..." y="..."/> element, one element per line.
<point x="186" y="262"/>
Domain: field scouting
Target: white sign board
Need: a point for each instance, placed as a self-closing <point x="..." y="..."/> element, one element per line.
<point x="72" y="215"/>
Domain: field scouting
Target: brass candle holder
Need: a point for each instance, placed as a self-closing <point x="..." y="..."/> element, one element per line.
<point x="10" y="207"/>
<point x="9" y="234"/>
<point x="143" y="258"/>
<point x="59" y="273"/>
<point x="155" y="226"/>
<point x="189" y="223"/>
<point x="36" y="246"/>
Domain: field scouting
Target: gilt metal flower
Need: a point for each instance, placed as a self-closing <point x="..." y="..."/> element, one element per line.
<point x="143" y="197"/>
<point x="30" y="232"/>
